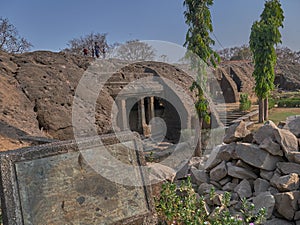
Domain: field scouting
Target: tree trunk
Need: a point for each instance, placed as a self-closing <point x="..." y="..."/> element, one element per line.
<point x="260" y="110"/>
<point x="198" y="149"/>
<point x="266" y="109"/>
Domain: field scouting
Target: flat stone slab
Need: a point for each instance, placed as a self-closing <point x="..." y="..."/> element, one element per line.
<point x="84" y="182"/>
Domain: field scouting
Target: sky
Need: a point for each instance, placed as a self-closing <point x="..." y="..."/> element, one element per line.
<point x="50" y="24"/>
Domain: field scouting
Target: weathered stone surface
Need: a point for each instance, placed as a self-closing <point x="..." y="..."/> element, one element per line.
<point x="226" y="152"/>
<point x="205" y="188"/>
<point x="213" y="159"/>
<point x="249" y="138"/>
<point x="297" y="215"/>
<point x="272" y="147"/>
<point x="225" y="181"/>
<point x="216" y="184"/>
<point x="236" y="132"/>
<point x="241" y="163"/>
<point x="273" y="190"/>
<point x="293" y="157"/>
<point x="243" y="189"/>
<point x="197" y="162"/>
<point x="239" y="172"/>
<point x="161" y="172"/>
<point x="287" y="140"/>
<point x="199" y="176"/>
<point x="293" y="125"/>
<point x="286" y="183"/>
<point x="267" y="175"/>
<point x="182" y="169"/>
<point x="58" y="184"/>
<point x="288" y="167"/>
<point x="286" y="204"/>
<point x="266" y="200"/>
<point x="266" y="131"/>
<point x="260" y="186"/>
<point x="278" y="222"/>
<point x="229" y="187"/>
<point x="256" y="157"/>
<point x="217" y="200"/>
<point x="219" y="172"/>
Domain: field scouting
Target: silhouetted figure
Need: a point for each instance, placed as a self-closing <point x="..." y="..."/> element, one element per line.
<point x="85" y="51"/>
<point x="97" y="50"/>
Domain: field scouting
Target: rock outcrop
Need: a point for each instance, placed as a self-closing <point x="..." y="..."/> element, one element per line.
<point x="266" y="171"/>
<point x="37" y="91"/>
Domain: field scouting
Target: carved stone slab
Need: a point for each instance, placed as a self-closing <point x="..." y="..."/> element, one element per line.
<point x="72" y="183"/>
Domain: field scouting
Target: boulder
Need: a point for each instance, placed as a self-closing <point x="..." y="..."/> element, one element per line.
<point x="293" y="125"/>
<point x="182" y="169"/>
<point x="278" y="222"/>
<point x="205" y="188"/>
<point x="244" y="189"/>
<point x="225" y="181"/>
<point x="265" y="131"/>
<point x="196" y="162"/>
<point x="256" y="157"/>
<point x="286" y="183"/>
<point x="213" y="159"/>
<point x="293" y="157"/>
<point x="219" y="172"/>
<point x="260" y="186"/>
<point x="226" y="152"/>
<point x="159" y="173"/>
<point x="286" y="204"/>
<point x="229" y="187"/>
<point x="199" y="176"/>
<point x="288" y="167"/>
<point x="287" y="140"/>
<point x="218" y="198"/>
<point x="239" y="172"/>
<point x="266" y="200"/>
<point x="267" y="175"/>
<point x="297" y="215"/>
<point x="272" y="147"/>
<point x="236" y="132"/>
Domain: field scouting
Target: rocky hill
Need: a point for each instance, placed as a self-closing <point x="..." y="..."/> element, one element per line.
<point x="37" y="90"/>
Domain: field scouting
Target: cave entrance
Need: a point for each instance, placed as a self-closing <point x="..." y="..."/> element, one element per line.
<point x="152" y="117"/>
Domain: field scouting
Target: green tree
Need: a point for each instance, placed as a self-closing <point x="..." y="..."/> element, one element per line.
<point x="265" y="35"/>
<point x="198" y="40"/>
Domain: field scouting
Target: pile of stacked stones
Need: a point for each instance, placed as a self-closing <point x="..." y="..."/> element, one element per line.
<point x="263" y="166"/>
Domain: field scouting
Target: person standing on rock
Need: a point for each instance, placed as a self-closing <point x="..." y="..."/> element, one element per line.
<point x="85" y="52"/>
<point x="97" y="50"/>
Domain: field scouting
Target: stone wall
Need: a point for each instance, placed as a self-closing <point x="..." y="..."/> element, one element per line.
<point x="263" y="167"/>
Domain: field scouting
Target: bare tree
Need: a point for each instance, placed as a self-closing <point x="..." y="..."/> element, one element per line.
<point x="286" y="55"/>
<point x="77" y="45"/>
<point x="236" y="53"/>
<point x="135" y="50"/>
<point x="10" y="41"/>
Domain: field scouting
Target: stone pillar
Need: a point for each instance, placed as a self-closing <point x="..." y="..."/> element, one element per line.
<point x="142" y="118"/>
<point x="151" y="112"/>
<point x="123" y="114"/>
<point x="143" y="115"/>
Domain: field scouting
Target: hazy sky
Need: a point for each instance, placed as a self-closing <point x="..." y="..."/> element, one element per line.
<point x="49" y="24"/>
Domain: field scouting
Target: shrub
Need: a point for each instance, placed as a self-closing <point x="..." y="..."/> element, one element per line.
<point x="245" y="103"/>
<point x="181" y="206"/>
<point x="289" y="103"/>
<point x="272" y="103"/>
